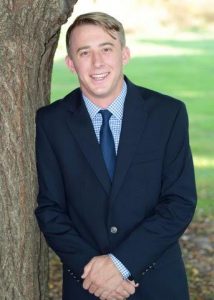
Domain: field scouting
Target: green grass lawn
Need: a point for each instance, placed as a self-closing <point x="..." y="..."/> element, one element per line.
<point x="186" y="77"/>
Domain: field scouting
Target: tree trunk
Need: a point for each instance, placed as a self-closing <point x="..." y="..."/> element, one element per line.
<point x="29" y="31"/>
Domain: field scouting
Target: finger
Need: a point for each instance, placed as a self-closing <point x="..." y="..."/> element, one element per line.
<point x="100" y="292"/>
<point x="92" y="288"/>
<point x="128" y="287"/>
<point x="87" y="283"/>
<point x="104" y="295"/>
<point x="119" y="293"/>
<point x="122" y="292"/>
<point x="117" y="296"/>
<point x="114" y="296"/>
<point x="133" y="283"/>
<point x="108" y="296"/>
<point x="122" y="295"/>
<point x="86" y="272"/>
<point x="87" y="268"/>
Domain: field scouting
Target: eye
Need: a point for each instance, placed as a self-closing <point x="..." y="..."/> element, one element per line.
<point x="84" y="53"/>
<point x="107" y="49"/>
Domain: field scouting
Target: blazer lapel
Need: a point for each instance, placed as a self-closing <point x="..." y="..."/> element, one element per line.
<point x="81" y="127"/>
<point x="134" y="120"/>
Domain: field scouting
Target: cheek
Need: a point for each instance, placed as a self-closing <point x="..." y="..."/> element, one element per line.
<point x="82" y="69"/>
<point x="118" y="61"/>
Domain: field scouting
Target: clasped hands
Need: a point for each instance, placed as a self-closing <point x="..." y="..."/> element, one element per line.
<point x="102" y="278"/>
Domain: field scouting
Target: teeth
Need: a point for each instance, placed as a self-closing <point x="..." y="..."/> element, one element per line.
<point x="100" y="76"/>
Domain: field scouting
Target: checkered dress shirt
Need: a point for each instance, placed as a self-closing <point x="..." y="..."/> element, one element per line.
<point x="115" y="123"/>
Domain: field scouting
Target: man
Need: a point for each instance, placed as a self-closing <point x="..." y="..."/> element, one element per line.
<point x="116" y="180"/>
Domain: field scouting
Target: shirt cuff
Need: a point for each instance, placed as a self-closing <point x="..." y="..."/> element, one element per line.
<point x="123" y="270"/>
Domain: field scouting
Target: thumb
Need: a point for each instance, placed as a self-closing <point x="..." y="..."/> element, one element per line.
<point x="87" y="269"/>
<point x="134" y="284"/>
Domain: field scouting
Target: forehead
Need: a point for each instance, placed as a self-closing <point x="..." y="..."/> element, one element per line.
<point x="92" y="34"/>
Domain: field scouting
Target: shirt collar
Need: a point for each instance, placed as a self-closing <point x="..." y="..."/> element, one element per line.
<point x="116" y="107"/>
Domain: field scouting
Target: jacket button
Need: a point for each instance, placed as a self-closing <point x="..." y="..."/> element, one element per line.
<point x="113" y="229"/>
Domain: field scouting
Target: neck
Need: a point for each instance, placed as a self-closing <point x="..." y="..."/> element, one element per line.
<point x="104" y="102"/>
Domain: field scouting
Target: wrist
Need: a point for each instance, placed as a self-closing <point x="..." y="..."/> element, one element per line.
<point x="120" y="266"/>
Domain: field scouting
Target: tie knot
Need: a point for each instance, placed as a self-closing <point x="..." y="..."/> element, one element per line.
<point x="106" y="115"/>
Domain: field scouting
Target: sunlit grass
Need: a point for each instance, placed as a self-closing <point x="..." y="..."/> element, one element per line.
<point x="203" y="162"/>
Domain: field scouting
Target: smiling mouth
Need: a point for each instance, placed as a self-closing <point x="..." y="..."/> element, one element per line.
<point x="100" y="77"/>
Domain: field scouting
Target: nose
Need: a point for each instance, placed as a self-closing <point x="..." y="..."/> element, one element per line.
<point x="97" y="59"/>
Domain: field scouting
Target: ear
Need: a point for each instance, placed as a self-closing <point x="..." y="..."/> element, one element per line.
<point x="70" y="64"/>
<point x="125" y="55"/>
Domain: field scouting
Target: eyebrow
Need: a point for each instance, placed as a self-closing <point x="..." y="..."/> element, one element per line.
<point x="82" y="48"/>
<point x="106" y="44"/>
<point x="100" y="45"/>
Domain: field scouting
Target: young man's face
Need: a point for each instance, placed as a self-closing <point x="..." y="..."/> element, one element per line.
<point x="97" y="59"/>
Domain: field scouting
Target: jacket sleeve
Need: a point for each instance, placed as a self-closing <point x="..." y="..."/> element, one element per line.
<point x="51" y="212"/>
<point x="175" y="207"/>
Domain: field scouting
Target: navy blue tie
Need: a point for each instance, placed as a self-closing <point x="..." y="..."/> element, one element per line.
<point x="107" y="142"/>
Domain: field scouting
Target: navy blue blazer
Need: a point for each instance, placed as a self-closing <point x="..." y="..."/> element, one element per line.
<point x="140" y="216"/>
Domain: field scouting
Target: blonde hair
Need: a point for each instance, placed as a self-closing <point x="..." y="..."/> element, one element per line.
<point x="107" y="22"/>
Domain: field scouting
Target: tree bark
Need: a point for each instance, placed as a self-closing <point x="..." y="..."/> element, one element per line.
<point x="29" y="31"/>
